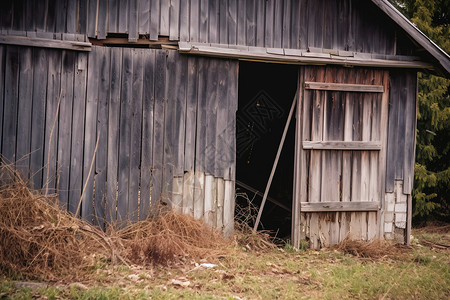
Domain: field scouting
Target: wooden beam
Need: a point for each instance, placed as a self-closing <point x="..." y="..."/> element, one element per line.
<point x="44" y="43"/>
<point x="305" y="58"/>
<point x="363" y="88"/>
<point x="340" y="145"/>
<point x="339" y="206"/>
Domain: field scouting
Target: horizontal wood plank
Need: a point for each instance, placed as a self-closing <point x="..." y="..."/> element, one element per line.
<point x="44" y="43"/>
<point x="341" y="145"/>
<point x="338" y="206"/>
<point x="344" y="87"/>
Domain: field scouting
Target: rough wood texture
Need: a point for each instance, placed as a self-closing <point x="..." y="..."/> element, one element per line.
<point x="339" y="206"/>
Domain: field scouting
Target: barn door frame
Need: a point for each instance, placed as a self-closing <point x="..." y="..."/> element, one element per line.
<point x="335" y="79"/>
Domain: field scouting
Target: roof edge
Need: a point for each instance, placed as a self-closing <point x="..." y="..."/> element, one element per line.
<point x="440" y="55"/>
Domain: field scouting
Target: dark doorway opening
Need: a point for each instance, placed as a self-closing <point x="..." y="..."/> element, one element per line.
<point x="266" y="92"/>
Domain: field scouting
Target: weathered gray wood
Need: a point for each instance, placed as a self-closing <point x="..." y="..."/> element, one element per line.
<point x="143" y="8"/>
<point x="286" y="38"/>
<point x="10" y="104"/>
<point x="44" y="43"/>
<point x="191" y="114"/>
<point x="211" y="116"/>
<point x="123" y="14"/>
<point x="209" y="201"/>
<point x="241" y="23"/>
<point x="179" y="133"/>
<point x="158" y="129"/>
<point x="77" y="144"/>
<point x="228" y="208"/>
<point x="113" y="134"/>
<point x="177" y="194"/>
<point x="410" y="133"/>
<point x="232" y="22"/>
<point x="250" y="23"/>
<point x="164" y="18"/>
<point x="24" y="110"/>
<point x="90" y="135"/>
<point x="230" y="137"/>
<point x="222" y="154"/>
<point x="101" y="22"/>
<point x="133" y="33"/>
<point x="82" y="17"/>
<point x="333" y="206"/>
<point x="101" y="158"/>
<point x="72" y="14"/>
<point x="338" y="145"/>
<point x="223" y="22"/>
<point x="213" y="22"/>
<point x="278" y="25"/>
<point x="344" y="87"/>
<point x="184" y="20"/>
<point x="92" y="19"/>
<point x="65" y="126"/>
<point x="220" y="199"/>
<point x="136" y="129"/>
<point x="126" y="99"/>
<point x="2" y="88"/>
<point x="194" y="20"/>
<point x="112" y="15"/>
<point x="147" y="133"/>
<point x="154" y="20"/>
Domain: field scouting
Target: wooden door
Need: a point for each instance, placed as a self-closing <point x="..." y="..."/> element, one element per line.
<point x="340" y="155"/>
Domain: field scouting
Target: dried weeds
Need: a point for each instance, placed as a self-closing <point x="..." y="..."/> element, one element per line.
<point x="375" y="249"/>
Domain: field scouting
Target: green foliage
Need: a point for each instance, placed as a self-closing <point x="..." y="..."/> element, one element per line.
<point x="432" y="170"/>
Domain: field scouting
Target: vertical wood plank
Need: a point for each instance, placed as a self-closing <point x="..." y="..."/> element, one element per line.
<point x="60" y="15"/>
<point x="278" y="24"/>
<point x="184" y="20"/>
<point x="223" y="22"/>
<point x="77" y="145"/>
<point x="315" y="23"/>
<point x="154" y="20"/>
<point x="133" y="21"/>
<point x="209" y="203"/>
<point x="222" y="154"/>
<point x="10" y="104"/>
<point x="158" y="128"/>
<point x="143" y="8"/>
<point x="220" y="198"/>
<point x="92" y="18"/>
<point x="410" y="130"/>
<point x="260" y="19"/>
<point x="102" y="15"/>
<point x="24" y="110"/>
<point x="136" y="130"/>
<point x="71" y="21"/>
<point x="213" y="22"/>
<point x="174" y="24"/>
<point x="90" y="135"/>
<point x="300" y="172"/>
<point x="38" y="15"/>
<point x="270" y="10"/>
<point x="286" y="25"/>
<point x="125" y="135"/>
<point x="101" y="158"/>
<point x="113" y="133"/>
<point x="251" y="23"/>
<point x="2" y="89"/>
<point x="188" y="193"/>
<point x="147" y="133"/>
<point x="65" y="126"/>
<point x="241" y="22"/>
<point x="295" y="25"/>
<point x="230" y="142"/>
<point x="228" y="208"/>
<point x="232" y="22"/>
<point x="164" y="18"/>
<point x="304" y="21"/>
<point x="211" y="117"/>
<point x="180" y="113"/>
<point x="51" y="123"/>
<point x="194" y="21"/>
<point x="123" y="13"/>
<point x="82" y="17"/>
<point x="50" y="18"/>
<point x="191" y="114"/>
<point x="203" y="27"/>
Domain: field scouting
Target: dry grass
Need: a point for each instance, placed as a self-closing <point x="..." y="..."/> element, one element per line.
<point x="39" y="240"/>
<point x="375" y="249"/>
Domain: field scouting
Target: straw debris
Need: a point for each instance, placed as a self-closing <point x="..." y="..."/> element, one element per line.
<point x="375" y="249"/>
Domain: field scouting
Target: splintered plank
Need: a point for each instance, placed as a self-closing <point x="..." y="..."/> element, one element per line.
<point x="158" y="129"/>
<point x="10" y="104"/>
<point x="51" y="128"/>
<point x="65" y="126"/>
<point x="113" y="133"/>
<point x="147" y="133"/>
<point x="125" y="135"/>
<point x="90" y="135"/>
<point x="102" y="134"/>
<point x="135" y="126"/>
<point x="24" y="110"/>
<point x="78" y="114"/>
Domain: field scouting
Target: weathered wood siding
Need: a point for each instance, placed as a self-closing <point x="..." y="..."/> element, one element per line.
<point x="130" y="127"/>
<point x="349" y="25"/>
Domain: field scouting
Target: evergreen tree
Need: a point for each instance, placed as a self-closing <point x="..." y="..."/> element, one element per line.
<point x="432" y="170"/>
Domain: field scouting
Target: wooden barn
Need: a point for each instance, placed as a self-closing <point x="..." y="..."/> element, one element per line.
<point x="122" y="106"/>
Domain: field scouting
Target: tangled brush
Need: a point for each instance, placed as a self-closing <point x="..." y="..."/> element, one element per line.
<point x="375" y="249"/>
<point x="37" y="238"/>
<point x="171" y="237"/>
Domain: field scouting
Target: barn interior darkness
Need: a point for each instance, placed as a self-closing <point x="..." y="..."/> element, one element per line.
<point x="266" y="92"/>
